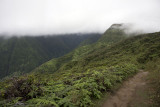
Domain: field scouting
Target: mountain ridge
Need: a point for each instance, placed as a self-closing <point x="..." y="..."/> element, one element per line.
<point x="22" y="54"/>
<point x="83" y="75"/>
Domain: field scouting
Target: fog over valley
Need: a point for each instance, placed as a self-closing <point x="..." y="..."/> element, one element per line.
<point x="79" y="53"/>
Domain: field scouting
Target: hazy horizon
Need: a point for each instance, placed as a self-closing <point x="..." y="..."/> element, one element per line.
<point x="46" y="17"/>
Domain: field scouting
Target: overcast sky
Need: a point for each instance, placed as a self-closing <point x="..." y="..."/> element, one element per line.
<point x="35" y="17"/>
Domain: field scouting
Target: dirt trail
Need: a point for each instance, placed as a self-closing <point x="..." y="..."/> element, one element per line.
<point x="127" y="92"/>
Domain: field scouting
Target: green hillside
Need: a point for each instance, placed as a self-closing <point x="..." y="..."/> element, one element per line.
<point x="83" y="75"/>
<point x="23" y="54"/>
<point x="85" y="50"/>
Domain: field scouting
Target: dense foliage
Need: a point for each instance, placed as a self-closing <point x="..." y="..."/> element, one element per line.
<point x="154" y="77"/>
<point x="80" y="56"/>
<point x="79" y="77"/>
<point x="71" y="89"/>
<point x="23" y="54"/>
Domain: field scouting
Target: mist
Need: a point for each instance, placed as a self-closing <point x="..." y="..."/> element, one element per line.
<point x="44" y="17"/>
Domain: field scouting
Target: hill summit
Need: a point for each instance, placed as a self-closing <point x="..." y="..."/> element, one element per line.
<point x="83" y="75"/>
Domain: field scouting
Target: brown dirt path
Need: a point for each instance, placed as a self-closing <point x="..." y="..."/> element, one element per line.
<point x="124" y="96"/>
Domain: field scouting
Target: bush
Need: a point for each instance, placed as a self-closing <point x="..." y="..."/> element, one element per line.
<point x="72" y="89"/>
<point x="23" y="87"/>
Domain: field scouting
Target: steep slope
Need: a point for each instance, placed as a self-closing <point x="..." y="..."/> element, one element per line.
<point x="90" y="40"/>
<point x="78" y="81"/>
<point x="115" y="32"/>
<point x="144" y="48"/>
<point x="22" y="54"/>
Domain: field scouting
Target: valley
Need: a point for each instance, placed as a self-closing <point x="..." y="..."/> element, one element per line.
<point x="83" y="75"/>
<point x="79" y="53"/>
<point x="20" y="55"/>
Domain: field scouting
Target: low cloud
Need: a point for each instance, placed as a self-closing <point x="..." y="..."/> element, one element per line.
<point x="41" y="17"/>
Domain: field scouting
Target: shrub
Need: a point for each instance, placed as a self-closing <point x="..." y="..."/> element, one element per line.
<point x="24" y="88"/>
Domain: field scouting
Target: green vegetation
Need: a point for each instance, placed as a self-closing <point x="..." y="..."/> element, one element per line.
<point x="154" y="80"/>
<point x="71" y="89"/>
<point x="83" y="75"/>
<point x="20" y="55"/>
<point x="80" y="55"/>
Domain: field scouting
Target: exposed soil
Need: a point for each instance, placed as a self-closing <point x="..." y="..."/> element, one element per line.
<point x="131" y="94"/>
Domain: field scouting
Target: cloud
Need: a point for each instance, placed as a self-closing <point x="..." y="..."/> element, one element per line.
<point x="34" y="17"/>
